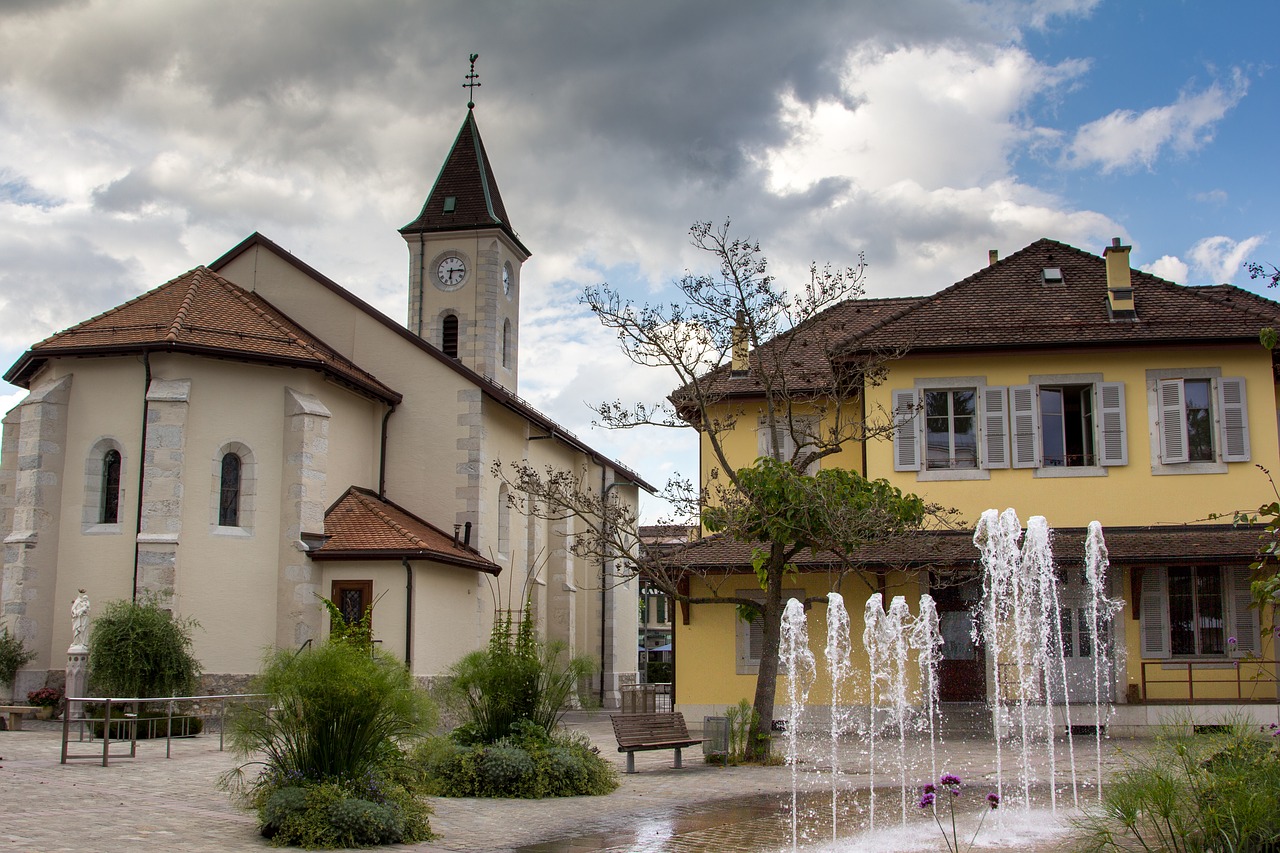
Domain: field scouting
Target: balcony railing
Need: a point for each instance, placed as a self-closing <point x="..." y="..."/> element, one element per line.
<point x="1247" y="680"/>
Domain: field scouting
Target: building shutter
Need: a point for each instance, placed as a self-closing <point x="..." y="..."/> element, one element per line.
<point x="1244" y="618"/>
<point x="995" y="431"/>
<point x="1113" y="443"/>
<point x="1154" y="613"/>
<point x="1026" y="429"/>
<point x="755" y="640"/>
<point x="906" y="430"/>
<point x="1173" y="422"/>
<point x="764" y="441"/>
<point x="1234" y="417"/>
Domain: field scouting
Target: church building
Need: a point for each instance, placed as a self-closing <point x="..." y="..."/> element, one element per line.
<point x="251" y="436"/>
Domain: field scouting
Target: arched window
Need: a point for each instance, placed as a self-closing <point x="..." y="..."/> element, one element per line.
<point x="504" y="520"/>
<point x="229" y="492"/>
<point x="506" y="343"/>
<point x="109" y="505"/>
<point x="449" y="335"/>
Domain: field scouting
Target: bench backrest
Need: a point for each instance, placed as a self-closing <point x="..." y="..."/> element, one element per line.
<point x="637" y="729"/>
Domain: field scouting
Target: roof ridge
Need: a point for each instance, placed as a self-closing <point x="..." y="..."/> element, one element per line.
<point x="179" y="318"/>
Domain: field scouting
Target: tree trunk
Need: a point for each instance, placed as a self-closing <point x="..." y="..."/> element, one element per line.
<point x="767" y="675"/>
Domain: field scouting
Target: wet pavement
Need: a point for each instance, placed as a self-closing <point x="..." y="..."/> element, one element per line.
<point x="153" y="803"/>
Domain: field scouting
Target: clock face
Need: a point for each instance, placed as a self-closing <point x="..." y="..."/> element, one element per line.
<point x="451" y="271"/>
<point x="506" y="279"/>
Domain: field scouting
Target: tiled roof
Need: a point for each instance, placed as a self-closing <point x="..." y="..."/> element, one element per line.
<point x="806" y="349"/>
<point x="201" y="313"/>
<point x="1007" y="305"/>
<point x="1211" y="543"/>
<point x="467" y="178"/>
<point x="362" y="526"/>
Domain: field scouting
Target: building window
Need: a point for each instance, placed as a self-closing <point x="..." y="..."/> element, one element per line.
<point x="1066" y="425"/>
<point x="797" y="440"/>
<point x="449" y="335"/>
<point x="229" y="492"/>
<point x="1200" y="421"/>
<point x="233" y="490"/>
<point x="1198" y="612"/>
<point x="951" y="428"/>
<point x="110" y="511"/>
<point x="749" y="636"/>
<point x="353" y="599"/>
<point x="506" y="343"/>
<point x="1060" y="425"/>
<point x="504" y="520"/>
<point x="103" y="493"/>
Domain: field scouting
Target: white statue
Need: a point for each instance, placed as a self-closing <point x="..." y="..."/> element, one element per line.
<point x="80" y="620"/>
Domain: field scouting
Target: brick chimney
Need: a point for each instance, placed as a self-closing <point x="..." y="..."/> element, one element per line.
<point x="1119" y="283"/>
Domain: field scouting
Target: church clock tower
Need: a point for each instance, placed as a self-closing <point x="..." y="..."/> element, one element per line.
<point x="464" y="264"/>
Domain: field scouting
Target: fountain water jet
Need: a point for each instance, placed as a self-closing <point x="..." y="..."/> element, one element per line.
<point x="839" y="668"/>
<point x="801" y="669"/>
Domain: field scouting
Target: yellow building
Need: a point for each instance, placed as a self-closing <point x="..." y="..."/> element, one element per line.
<point x="1061" y="384"/>
<point x="251" y="435"/>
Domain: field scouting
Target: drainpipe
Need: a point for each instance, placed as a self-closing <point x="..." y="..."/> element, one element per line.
<point x="142" y="459"/>
<point x="408" y="614"/>
<point x="382" y="454"/>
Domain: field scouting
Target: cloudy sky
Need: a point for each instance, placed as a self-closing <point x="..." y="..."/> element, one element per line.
<point x="140" y="138"/>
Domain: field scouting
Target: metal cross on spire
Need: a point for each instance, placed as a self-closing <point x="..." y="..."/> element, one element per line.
<point x="471" y="83"/>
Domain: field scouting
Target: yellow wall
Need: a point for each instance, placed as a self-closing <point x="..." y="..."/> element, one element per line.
<point x="706" y="652"/>
<point x="1127" y="494"/>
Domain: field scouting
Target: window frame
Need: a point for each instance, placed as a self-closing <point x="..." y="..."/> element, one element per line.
<point x="808" y="426"/>
<point x="1108" y="416"/>
<point x="745" y="633"/>
<point x="92" y="523"/>
<point x="1239" y="619"/>
<point x="991" y="436"/>
<point x="1167" y="421"/>
<point x="247" y="493"/>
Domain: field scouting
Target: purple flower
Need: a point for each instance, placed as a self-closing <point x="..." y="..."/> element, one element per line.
<point x="926" y="799"/>
<point x="929" y="787"/>
<point x="993" y="800"/>
<point x="1231" y="641"/>
<point x="949" y="779"/>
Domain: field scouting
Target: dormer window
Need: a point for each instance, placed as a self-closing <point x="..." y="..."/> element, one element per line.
<point x="1052" y="275"/>
<point x="450" y="203"/>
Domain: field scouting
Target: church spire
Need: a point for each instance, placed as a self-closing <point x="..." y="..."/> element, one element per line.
<point x="465" y="195"/>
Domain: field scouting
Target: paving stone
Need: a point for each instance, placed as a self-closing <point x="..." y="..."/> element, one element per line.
<point x="151" y="803"/>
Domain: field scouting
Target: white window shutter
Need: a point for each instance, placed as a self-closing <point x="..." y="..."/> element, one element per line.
<point x="1244" y="618"/>
<point x="1026" y="426"/>
<point x="764" y="439"/>
<point x="1154" y="613"/>
<point x="906" y="430"/>
<point x="1233" y="414"/>
<point x="1113" y="442"/>
<point x="995" y="430"/>
<point x="1173" y="421"/>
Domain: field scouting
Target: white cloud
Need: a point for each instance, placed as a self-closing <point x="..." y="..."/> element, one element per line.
<point x="1220" y="259"/>
<point x="1168" y="267"/>
<point x="1126" y="139"/>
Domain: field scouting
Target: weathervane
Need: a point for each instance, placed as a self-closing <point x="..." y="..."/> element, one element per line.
<point x="471" y="83"/>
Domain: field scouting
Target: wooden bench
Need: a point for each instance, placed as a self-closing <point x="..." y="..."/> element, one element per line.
<point x="639" y="732"/>
<point x="15" y="713"/>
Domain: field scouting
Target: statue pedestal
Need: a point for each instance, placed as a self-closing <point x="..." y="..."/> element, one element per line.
<point x="77" y="678"/>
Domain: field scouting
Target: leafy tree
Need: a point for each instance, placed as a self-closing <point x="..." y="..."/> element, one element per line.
<point x="139" y="649"/>
<point x="740" y="347"/>
<point x="14" y="655"/>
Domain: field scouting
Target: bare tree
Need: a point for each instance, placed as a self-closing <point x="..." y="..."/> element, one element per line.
<point x="747" y="354"/>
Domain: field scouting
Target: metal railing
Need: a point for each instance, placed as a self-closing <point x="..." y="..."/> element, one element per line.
<point x="119" y="720"/>
<point x="1246" y="680"/>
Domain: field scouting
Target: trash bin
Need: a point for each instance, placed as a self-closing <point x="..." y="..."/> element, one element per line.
<point x="715" y="735"/>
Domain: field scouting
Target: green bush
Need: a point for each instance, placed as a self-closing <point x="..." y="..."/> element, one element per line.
<point x="516" y="680"/>
<point x="14" y="655"/>
<point x="528" y="765"/>
<point x="138" y="649"/>
<point x="1195" y="792"/>
<point x="335" y="728"/>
